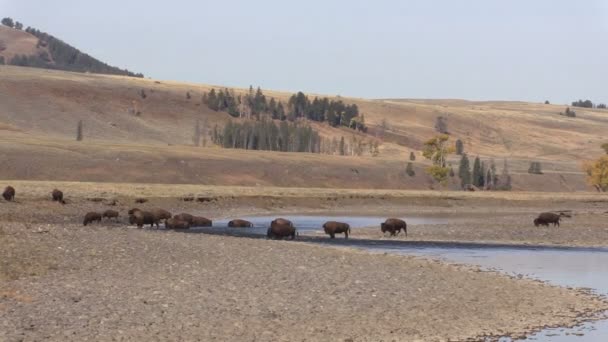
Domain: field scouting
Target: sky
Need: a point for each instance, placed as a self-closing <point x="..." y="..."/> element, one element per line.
<point x="554" y="50"/>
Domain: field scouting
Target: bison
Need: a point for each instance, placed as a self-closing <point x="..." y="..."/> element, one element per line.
<point x="199" y="221"/>
<point x="280" y="228"/>
<point x="173" y="223"/>
<point x="185" y="217"/>
<point x="133" y="210"/>
<point x="9" y="193"/>
<point x="57" y="196"/>
<point x="393" y="226"/>
<point x="544" y="219"/>
<point x="91" y="217"/>
<point x="110" y="214"/>
<point x="238" y="223"/>
<point x="161" y="214"/>
<point x="332" y="228"/>
<point x="141" y="218"/>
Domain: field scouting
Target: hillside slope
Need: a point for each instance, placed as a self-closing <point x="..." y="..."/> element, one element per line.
<point x="39" y="110"/>
<point x="34" y="48"/>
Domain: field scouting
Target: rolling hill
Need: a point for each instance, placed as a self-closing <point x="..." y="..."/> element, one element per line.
<point x="39" y="111"/>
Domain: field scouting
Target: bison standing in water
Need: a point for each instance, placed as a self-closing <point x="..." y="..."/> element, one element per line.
<point x="90" y="217"/>
<point x="9" y="193"/>
<point x="332" y="228"/>
<point x="238" y="223"/>
<point x="184" y="217"/>
<point x="544" y="219"/>
<point x="393" y="226"/>
<point x="198" y="221"/>
<point x="281" y="228"/>
<point x="174" y="223"/>
<point x="141" y="218"/>
<point x="57" y="196"/>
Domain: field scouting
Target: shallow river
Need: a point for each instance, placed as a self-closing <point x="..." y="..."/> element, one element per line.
<point x="579" y="267"/>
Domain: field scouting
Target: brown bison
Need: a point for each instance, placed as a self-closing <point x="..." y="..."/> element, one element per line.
<point x="110" y="214"/>
<point x="393" y="226"/>
<point x="9" y="193"/>
<point x="185" y="217"/>
<point x="57" y="196"/>
<point x="198" y="221"/>
<point x="281" y="228"/>
<point x="173" y="223"/>
<point x="161" y="214"/>
<point x="238" y="223"/>
<point x="141" y="218"/>
<point x="332" y="228"/>
<point x="90" y="217"/>
<point x="133" y="210"/>
<point x="544" y="219"/>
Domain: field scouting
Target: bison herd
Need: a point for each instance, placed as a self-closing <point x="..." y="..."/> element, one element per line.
<point x="279" y="228"/>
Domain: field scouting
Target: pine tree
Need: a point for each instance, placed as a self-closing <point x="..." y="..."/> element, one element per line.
<point x="79" y="133"/>
<point x="412" y="156"/>
<point x="535" y="168"/>
<point x="459" y="147"/>
<point x="464" y="171"/>
<point x="409" y="170"/>
<point x="342" y="147"/>
<point x="477" y="172"/>
<point x="451" y="171"/>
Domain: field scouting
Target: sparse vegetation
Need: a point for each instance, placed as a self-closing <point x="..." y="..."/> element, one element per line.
<point x="62" y="55"/>
<point x="569" y="113"/>
<point x="79" y="133"/>
<point x="535" y="168"/>
<point x="597" y="171"/>
<point x="459" y="147"/>
<point x="409" y="169"/>
<point x="441" y="125"/>
<point x="196" y="137"/>
<point x="437" y="150"/>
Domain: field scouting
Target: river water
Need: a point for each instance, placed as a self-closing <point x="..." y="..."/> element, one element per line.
<point x="575" y="267"/>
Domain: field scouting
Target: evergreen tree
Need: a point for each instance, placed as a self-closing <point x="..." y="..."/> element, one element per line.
<point x="412" y="156"/>
<point x="342" y="147"/>
<point x="535" y="168"/>
<point x="409" y="170"/>
<point x="477" y="172"/>
<point x="451" y="171"/>
<point x="459" y="147"/>
<point x="441" y="125"/>
<point x="8" y="22"/>
<point x="79" y="131"/>
<point x="464" y="171"/>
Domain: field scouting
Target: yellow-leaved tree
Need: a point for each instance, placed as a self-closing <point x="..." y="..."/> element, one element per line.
<point x="597" y="171"/>
<point x="437" y="150"/>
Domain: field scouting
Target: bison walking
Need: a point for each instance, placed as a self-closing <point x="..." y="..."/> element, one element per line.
<point x="544" y="219"/>
<point x="110" y="214"/>
<point x="393" y="226"/>
<point x="91" y="217"/>
<point x="333" y="227"/>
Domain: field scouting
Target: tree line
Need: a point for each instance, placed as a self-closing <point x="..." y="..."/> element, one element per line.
<point x="483" y="176"/>
<point x="62" y="55"/>
<point x="255" y="104"/>
<point x="285" y="136"/>
<point x="588" y="104"/>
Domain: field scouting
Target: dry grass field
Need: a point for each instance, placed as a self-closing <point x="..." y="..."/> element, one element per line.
<point x="39" y="111"/>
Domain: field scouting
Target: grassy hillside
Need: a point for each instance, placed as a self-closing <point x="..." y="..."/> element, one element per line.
<point x="34" y="48"/>
<point x="39" y="111"/>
